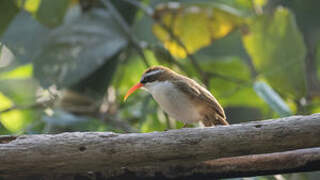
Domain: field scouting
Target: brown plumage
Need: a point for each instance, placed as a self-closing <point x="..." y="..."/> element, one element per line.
<point x="200" y="100"/>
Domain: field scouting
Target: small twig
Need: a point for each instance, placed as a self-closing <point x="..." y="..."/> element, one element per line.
<point x="118" y="17"/>
<point x="189" y="55"/>
<point x="9" y="109"/>
<point x="146" y="9"/>
<point x="32" y="106"/>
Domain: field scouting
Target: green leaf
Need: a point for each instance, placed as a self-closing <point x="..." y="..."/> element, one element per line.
<point x="78" y="49"/>
<point x="96" y="84"/>
<point x="272" y="98"/>
<point x="232" y="92"/>
<point x="14" y="120"/>
<point x="24" y="37"/>
<point x="229" y="46"/>
<point x="308" y="22"/>
<point x="20" y="72"/>
<point x="51" y="13"/>
<point x="8" y="10"/>
<point x="212" y="22"/>
<point x="277" y="50"/>
<point x="29" y="5"/>
<point x="20" y="91"/>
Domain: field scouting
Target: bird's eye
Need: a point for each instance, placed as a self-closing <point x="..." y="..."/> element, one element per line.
<point x="147" y="79"/>
<point x="143" y="81"/>
<point x="150" y="76"/>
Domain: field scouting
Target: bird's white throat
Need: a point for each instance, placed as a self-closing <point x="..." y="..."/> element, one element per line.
<point x="173" y="101"/>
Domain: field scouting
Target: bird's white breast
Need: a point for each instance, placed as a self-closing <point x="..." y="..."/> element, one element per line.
<point x="173" y="101"/>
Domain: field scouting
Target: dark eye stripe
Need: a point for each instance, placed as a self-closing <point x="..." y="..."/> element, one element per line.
<point x="149" y="77"/>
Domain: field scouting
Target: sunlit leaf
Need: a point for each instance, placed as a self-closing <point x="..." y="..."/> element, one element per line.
<point x="7" y="12"/>
<point x="20" y="91"/>
<point x="232" y="91"/>
<point x="29" y="5"/>
<point x="272" y="98"/>
<point x="4" y="102"/>
<point x="20" y="72"/>
<point x="196" y="26"/>
<point x="229" y="46"/>
<point x="277" y="51"/>
<point x="13" y="120"/>
<point x="78" y="49"/>
<point x="260" y="2"/>
<point x="17" y="92"/>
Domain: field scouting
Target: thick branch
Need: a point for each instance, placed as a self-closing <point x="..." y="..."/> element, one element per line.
<point x="241" y="166"/>
<point x="77" y="152"/>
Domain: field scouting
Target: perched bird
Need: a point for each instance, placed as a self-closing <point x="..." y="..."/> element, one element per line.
<point x="181" y="97"/>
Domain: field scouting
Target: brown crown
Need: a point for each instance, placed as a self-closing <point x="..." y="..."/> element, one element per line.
<point x="166" y="74"/>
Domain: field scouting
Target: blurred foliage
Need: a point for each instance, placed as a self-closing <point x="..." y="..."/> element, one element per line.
<point x="65" y="65"/>
<point x="265" y="44"/>
<point x="211" y="23"/>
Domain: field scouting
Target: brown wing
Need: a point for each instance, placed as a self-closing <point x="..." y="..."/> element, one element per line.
<point x="215" y="115"/>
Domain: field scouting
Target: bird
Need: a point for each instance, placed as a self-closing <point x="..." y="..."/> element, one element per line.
<point x="182" y="98"/>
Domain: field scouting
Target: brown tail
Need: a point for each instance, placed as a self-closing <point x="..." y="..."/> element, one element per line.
<point x="215" y="120"/>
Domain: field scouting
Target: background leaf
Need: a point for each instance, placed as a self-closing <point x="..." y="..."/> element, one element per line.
<point x="277" y="51"/>
<point x="51" y="13"/>
<point x="25" y="42"/>
<point x="212" y="23"/>
<point x="15" y="120"/>
<point x="7" y="12"/>
<point x="75" y="50"/>
<point x="20" y="91"/>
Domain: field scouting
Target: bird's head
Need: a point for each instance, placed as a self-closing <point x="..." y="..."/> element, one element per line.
<point x="151" y="77"/>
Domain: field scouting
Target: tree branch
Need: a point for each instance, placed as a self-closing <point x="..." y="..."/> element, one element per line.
<point x="37" y="105"/>
<point x="117" y="16"/>
<point x="80" y="153"/>
<point x="241" y="166"/>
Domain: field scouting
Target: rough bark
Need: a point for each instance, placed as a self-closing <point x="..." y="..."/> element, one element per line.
<point x="241" y="166"/>
<point x="113" y="155"/>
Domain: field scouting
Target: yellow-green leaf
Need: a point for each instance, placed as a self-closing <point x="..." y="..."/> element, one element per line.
<point x="21" y="72"/>
<point x="12" y="120"/>
<point x="29" y="5"/>
<point x="277" y="50"/>
<point x="196" y="26"/>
